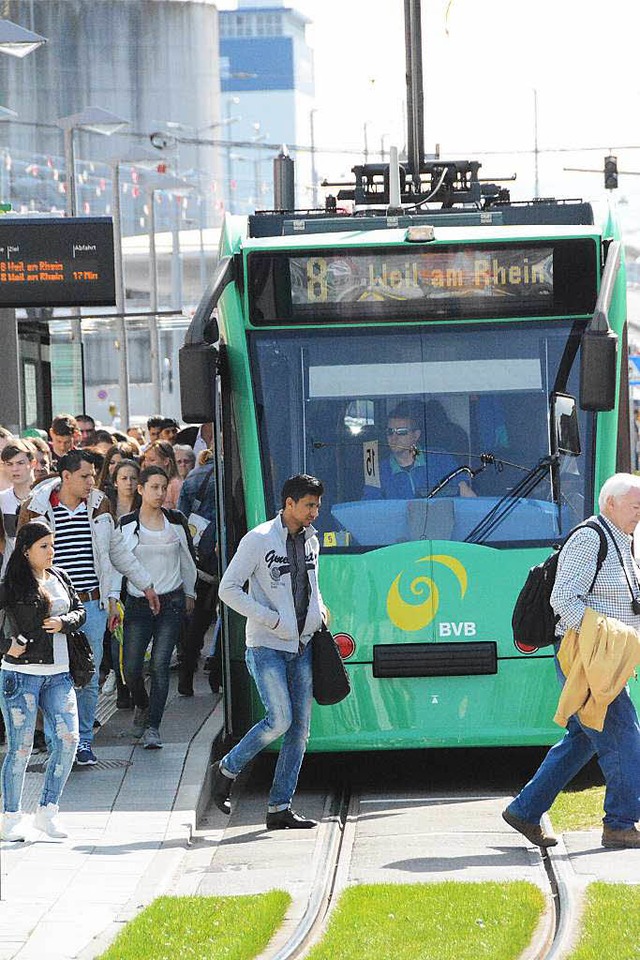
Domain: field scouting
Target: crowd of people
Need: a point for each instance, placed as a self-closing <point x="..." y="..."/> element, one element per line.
<point x="108" y="553"/>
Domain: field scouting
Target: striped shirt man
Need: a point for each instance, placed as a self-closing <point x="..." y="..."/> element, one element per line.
<point x="73" y="546"/>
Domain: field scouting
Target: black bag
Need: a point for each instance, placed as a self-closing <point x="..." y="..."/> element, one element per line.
<point x="330" y="679"/>
<point x="534" y="620"/>
<point x="81" y="662"/>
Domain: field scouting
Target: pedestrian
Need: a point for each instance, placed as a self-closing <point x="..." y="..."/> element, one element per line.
<point x="169" y="430"/>
<point x="154" y="426"/>
<point x="160" y="453"/>
<point x="87" y="428"/>
<point x="137" y="434"/>
<point x="159" y="538"/>
<point x="283" y="609"/>
<point x="64" y="436"/>
<point x="123" y="496"/>
<point x="18" y="457"/>
<point x="5" y="437"/>
<point x="197" y="502"/>
<point x="103" y="441"/>
<point x="87" y="547"/>
<point x="113" y="456"/>
<point x="615" y="594"/>
<point x="42" y="465"/>
<point x="185" y="459"/>
<point x="41" y="606"/>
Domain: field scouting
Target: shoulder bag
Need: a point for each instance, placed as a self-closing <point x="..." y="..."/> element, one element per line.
<point x="330" y="679"/>
<point x="81" y="662"/>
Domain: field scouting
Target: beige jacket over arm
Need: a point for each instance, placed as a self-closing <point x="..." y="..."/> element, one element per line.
<point x="597" y="662"/>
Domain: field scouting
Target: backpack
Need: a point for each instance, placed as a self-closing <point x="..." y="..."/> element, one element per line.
<point x="534" y="620"/>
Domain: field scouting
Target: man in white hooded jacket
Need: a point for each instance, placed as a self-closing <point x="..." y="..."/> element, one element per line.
<point x="283" y="607"/>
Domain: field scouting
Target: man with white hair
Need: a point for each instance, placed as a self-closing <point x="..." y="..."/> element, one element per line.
<point x="615" y="593"/>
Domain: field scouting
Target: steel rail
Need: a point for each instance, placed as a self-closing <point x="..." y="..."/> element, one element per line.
<point x="321" y="896"/>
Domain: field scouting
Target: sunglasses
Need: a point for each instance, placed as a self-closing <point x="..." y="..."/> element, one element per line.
<point x="399" y="431"/>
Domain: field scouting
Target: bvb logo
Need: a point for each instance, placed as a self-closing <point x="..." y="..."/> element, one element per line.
<point x="418" y="614"/>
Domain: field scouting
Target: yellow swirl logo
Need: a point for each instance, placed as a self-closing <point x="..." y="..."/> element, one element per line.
<point x="416" y="614"/>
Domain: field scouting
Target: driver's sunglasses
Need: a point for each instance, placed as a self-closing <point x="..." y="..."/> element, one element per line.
<point x="399" y="431"/>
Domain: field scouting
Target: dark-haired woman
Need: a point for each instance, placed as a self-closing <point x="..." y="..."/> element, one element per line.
<point x="40" y="606"/>
<point x="114" y="455"/>
<point x="160" y="539"/>
<point x="122" y="492"/>
<point x="160" y="453"/>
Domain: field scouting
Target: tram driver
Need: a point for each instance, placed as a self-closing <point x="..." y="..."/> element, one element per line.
<point x="410" y="471"/>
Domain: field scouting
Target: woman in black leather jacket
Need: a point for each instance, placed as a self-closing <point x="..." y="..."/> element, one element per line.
<point x="40" y="606"/>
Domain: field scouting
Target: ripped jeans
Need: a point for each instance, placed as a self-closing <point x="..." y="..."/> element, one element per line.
<point x="20" y="696"/>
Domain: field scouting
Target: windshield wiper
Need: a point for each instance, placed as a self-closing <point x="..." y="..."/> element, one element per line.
<point x="501" y="510"/>
<point x="486" y="459"/>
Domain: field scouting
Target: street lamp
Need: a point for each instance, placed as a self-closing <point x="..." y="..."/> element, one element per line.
<point x="257" y="160"/>
<point x="17" y="41"/>
<point x="171" y="185"/>
<point x="145" y="160"/>
<point x="92" y="120"/>
<point x="231" y="102"/>
<point x="314" y="171"/>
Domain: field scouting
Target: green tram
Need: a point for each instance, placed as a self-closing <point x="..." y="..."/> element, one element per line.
<point x="501" y="326"/>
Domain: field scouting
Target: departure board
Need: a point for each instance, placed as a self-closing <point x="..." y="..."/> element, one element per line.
<point x="56" y="262"/>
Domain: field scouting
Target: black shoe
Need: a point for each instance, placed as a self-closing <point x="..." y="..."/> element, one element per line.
<point x="221" y="789"/>
<point x="185" y="685"/>
<point x="124" y="702"/>
<point x="288" y="820"/>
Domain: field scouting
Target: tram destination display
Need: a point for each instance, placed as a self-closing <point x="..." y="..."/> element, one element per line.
<point x="56" y="262"/>
<point x="552" y="278"/>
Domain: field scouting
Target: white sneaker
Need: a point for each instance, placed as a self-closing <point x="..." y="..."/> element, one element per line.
<point x="151" y="739"/>
<point x="14" y="826"/>
<point x="45" y="820"/>
<point x="109" y="685"/>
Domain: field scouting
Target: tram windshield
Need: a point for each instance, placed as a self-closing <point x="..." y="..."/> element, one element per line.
<point x="424" y="433"/>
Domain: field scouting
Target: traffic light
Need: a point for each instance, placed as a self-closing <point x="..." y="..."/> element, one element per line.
<point x="611" y="173"/>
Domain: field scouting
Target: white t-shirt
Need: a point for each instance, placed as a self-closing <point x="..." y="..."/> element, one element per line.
<point x="59" y="606"/>
<point x="159" y="552"/>
<point x="9" y="506"/>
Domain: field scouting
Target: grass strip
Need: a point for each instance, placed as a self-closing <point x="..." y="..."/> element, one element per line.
<point x="432" y="921"/>
<point x="201" y="928"/>
<point x="578" y="809"/>
<point x="611" y="923"/>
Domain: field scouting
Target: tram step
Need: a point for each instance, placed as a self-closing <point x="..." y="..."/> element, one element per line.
<point x="434" y="659"/>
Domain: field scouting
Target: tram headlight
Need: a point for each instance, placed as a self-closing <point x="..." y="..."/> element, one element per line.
<point x="346" y="644"/>
<point x="525" y="647"/>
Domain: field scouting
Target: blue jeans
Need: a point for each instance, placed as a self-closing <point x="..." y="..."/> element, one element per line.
<point x="94" y="627"/>
<point x="140" y="626"/>
<point x="20" y="696"/>
<point x="284" y="682"/>
<point x="618" y="750"/>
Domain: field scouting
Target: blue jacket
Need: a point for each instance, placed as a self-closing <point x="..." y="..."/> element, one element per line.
<point x="398" y="483"/>
<point x="189" y="494"/>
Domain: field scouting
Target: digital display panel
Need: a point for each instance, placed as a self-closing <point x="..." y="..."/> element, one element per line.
<point x="552" y="278"/>
<point x="56" y="262"/>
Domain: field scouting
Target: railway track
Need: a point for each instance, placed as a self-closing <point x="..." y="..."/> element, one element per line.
<point x="417" y="828"/>
<point x="551" y="940"/>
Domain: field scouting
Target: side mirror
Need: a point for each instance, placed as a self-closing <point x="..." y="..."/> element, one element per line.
<point x="198" y="364"/>
<point x="599" y="347"/>
<point x="598" y="355"/>
<point x="564" y="419"/>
